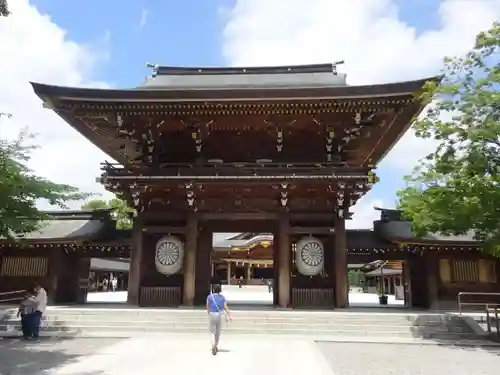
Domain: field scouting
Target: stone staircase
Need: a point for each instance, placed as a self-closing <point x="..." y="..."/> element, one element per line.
<point x="122" y="322"/>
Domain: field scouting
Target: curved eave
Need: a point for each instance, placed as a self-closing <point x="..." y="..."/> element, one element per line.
<point x="435" y="243"/>
<point x="164" y="95"/>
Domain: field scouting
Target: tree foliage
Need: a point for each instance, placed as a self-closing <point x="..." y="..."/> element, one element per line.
<point x="120" y="210"/>
<point x="456" y="189"/>
<point x="356" y="278"/>
<point x="4" y="8"/>
<point x="21" y="189"/>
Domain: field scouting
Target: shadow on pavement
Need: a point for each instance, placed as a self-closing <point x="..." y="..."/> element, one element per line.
<point x="19" y="357"/>
<point x="454" y="331"/>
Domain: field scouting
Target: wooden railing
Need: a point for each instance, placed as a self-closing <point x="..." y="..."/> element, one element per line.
<point x="160" y="296"/>
<point x="461" y="304"/>
<point x="243" y="169"/>
<point x="14" y="296"/>
<point x="492" y="309"/>
<point x="495" y="310"/>
<point x="244" y="165"/>
<point x="303" y="297"/>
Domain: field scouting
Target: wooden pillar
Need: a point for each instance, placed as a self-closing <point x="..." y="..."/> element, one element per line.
<point x="407" y="284"/>
<point x="136" y="257"/>
<point x="189" y="267"/>
<point x="432" y="266"/>
<point x="284" y="262"/>
<point x="418" y="280"/>
<point x="56" y="281"/>
<point x="82" y="273"/>
<point x="68" y="277"/>
<point x="340" y="265"/>
<point x="228" y="273"/>
<point x="203" y="267"/>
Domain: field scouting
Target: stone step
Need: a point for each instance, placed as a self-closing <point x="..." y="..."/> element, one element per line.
<point x="298" y="317"/>
<point x="124" y="331"/>
<point x="154" y="326"/>
<point x="203" y="323"/>
<point x="241" y="318"/>
<point x="129" y="322"/>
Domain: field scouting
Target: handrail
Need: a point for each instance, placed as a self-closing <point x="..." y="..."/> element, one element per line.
<point x="460" y="303"/>
<point x="488" y="319"/>
<point x="13" y="292"/>
<point x="488" y="307"/>
<point x="2" y="294"/>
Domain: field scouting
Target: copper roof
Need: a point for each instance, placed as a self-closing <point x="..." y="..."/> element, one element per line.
<point x="172" y="78"/>
<point x="192" y="94"/>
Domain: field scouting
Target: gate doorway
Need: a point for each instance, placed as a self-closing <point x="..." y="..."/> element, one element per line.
<point x="108" y="280"/>
<point x="243" y="263"/>
<point x="379" y="283"/>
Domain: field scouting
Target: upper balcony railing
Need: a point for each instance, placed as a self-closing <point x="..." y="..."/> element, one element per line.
<point x="216" y="168"/>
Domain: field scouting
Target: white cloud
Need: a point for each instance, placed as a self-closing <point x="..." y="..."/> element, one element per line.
<point x="35" y="49"/>
<point x="377" y="45"/>
<point x="364" y="214"/>
<point x="144" y="18"/>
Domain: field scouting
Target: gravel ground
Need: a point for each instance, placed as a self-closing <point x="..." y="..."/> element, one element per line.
<point x="28" y="358"/>
<point x="400" y="359"/>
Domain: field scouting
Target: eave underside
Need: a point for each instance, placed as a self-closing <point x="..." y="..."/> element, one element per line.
<point x="365" y="121"/>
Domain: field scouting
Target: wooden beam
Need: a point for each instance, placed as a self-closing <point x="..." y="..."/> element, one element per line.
<point x="238" y="216"/>
<point x="328" y="217"/>
<point x="238" y="226"/>
<point x="166" y="216"/>
<point x="312" y="230"/>
<point x="160" y="229"/>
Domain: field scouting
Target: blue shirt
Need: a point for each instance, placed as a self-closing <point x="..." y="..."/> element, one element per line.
<point x="216" y="302"/>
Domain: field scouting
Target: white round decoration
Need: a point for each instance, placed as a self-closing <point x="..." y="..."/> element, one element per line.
<point x="309" y="256"/>
<point x="169" y="255"/>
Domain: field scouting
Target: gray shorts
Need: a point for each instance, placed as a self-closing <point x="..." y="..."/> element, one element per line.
<point x="215" y="322"/>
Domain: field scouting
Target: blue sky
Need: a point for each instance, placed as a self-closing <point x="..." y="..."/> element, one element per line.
<point x="192" y="33"/>
<point x="187" y="32"/>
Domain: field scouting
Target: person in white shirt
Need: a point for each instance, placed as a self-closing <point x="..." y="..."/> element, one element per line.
<point x="41" y="305"/>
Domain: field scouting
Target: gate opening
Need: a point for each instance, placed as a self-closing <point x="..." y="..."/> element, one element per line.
<point x="380" y="283"/>
<point x="243" y="264"/>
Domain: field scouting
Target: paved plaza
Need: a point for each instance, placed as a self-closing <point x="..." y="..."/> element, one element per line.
<point x="250" y="295"/>
<point x="244" y="355"/>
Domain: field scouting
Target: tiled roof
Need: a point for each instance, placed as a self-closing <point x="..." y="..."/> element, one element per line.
<point x="71" y="226"/>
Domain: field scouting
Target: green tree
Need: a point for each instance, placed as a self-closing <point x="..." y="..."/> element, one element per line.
<point x="95" y="204"/>
<point x="356" y="278"/>
<point x="456" y="189"/>
<point x="4" y="8"/>
<point x="121" y="211"/>
<point x="20" y="189"/>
